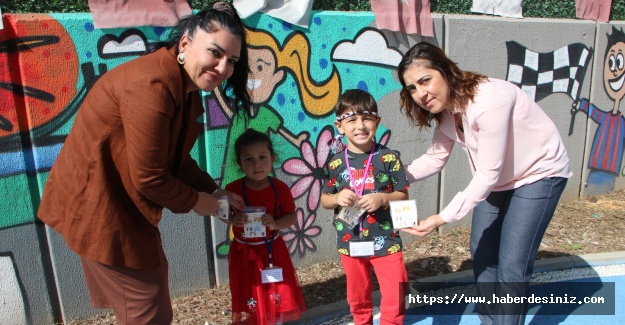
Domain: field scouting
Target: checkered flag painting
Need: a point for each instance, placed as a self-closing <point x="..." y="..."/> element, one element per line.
<point x="541" y="74"/>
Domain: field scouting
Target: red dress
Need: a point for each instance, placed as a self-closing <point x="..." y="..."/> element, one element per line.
<point x="252" y="301"/>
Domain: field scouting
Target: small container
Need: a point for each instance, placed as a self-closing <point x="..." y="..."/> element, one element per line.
<point x="254" y="227"/>
<point x="404" y="213"/>
<point x="224" y="208"/>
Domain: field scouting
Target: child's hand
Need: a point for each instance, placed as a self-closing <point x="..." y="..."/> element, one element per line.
<point x="346" y="198"/>
<point x="238" y="219"/>
<point x="268" y="221"/>
<point x="371" y="201"/>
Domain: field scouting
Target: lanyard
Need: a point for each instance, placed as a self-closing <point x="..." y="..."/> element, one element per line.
<point x="352" y="182"/>
<point x="268" y="243"/>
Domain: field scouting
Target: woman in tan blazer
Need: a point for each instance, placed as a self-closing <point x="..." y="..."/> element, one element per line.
<point x="127" y="157"/>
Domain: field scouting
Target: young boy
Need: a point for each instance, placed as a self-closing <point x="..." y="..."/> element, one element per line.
<point x="362" y="180"/>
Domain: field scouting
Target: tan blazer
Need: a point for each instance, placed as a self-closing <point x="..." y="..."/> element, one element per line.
<point x="114" y="175"/>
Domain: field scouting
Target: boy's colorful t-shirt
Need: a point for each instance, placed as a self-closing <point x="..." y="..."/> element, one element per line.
<point x="386" y="174"/>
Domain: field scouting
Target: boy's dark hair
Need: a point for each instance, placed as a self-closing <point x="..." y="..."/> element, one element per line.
<point x="357" y="100"/>
<point x="251" y="137"/>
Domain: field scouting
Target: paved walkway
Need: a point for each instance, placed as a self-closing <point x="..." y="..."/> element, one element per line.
<point x="592" y="268"/>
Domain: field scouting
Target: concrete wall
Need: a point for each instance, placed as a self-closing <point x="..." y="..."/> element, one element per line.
<point x="48" y="63"/>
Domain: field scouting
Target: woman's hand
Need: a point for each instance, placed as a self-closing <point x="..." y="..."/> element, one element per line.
<point x="233" y="199"/>
<point x="268" y="221"/>
<point x="206" y="204"/>
<point x="426" y="226"/>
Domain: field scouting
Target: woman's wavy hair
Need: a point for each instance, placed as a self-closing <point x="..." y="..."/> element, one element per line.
<point x="462" y="84"/>
<point x="216" y="16"/>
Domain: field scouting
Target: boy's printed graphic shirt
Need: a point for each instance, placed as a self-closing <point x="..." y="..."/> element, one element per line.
<point x="386" y="174"/>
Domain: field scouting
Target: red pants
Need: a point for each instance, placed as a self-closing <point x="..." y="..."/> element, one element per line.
<point x="137" y="296"/>
<point x="391" y="273"/>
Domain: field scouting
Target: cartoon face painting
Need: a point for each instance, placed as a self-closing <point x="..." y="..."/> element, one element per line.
<point x="614" y="72"/>
<point x="264" y="77"/>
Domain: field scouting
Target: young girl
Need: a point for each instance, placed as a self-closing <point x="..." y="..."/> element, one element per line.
<point x="263" y="283"/>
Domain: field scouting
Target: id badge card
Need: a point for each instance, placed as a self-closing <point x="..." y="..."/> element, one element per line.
<point x="271" y="274"/>
<point x="361" y="247"/>
<point x="350" y="215"/>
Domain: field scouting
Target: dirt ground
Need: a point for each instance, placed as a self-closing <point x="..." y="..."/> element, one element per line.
<point x="583" y="226"/>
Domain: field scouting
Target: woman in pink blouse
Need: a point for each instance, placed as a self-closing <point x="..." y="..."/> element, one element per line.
<point x="519" y="165"/>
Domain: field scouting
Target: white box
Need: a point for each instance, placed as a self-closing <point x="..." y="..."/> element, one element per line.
<point x="404" y="213"/>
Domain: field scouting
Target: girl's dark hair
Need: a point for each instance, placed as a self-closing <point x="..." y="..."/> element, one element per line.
<point x="217" y="16"/>
<point x="357" y="100"/>
<point x="462" y="84"/>
<point x="251" y="137"/>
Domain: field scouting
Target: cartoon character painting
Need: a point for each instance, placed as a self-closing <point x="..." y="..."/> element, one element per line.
<point x="270" y="65"/>
<point x="606" y="153"/>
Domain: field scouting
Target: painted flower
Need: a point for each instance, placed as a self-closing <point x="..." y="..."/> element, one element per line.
<point x="385" y="137"/>
<point x="299" y="236"/>
<point x="310" y="168"/>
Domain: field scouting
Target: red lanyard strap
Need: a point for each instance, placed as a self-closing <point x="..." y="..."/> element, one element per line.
<point x="364" y="178"/>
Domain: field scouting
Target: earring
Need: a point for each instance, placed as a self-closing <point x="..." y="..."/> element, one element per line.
<point x="181" y="58"/>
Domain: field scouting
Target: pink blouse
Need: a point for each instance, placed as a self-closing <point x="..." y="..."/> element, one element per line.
<point x="509" y="140"/>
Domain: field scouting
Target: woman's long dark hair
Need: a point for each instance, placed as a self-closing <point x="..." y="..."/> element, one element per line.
<point x="462" y="84"/>
<point x="216" y="16"/>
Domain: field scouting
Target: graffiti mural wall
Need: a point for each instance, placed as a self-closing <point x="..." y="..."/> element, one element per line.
<point x="49" y="62"/>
